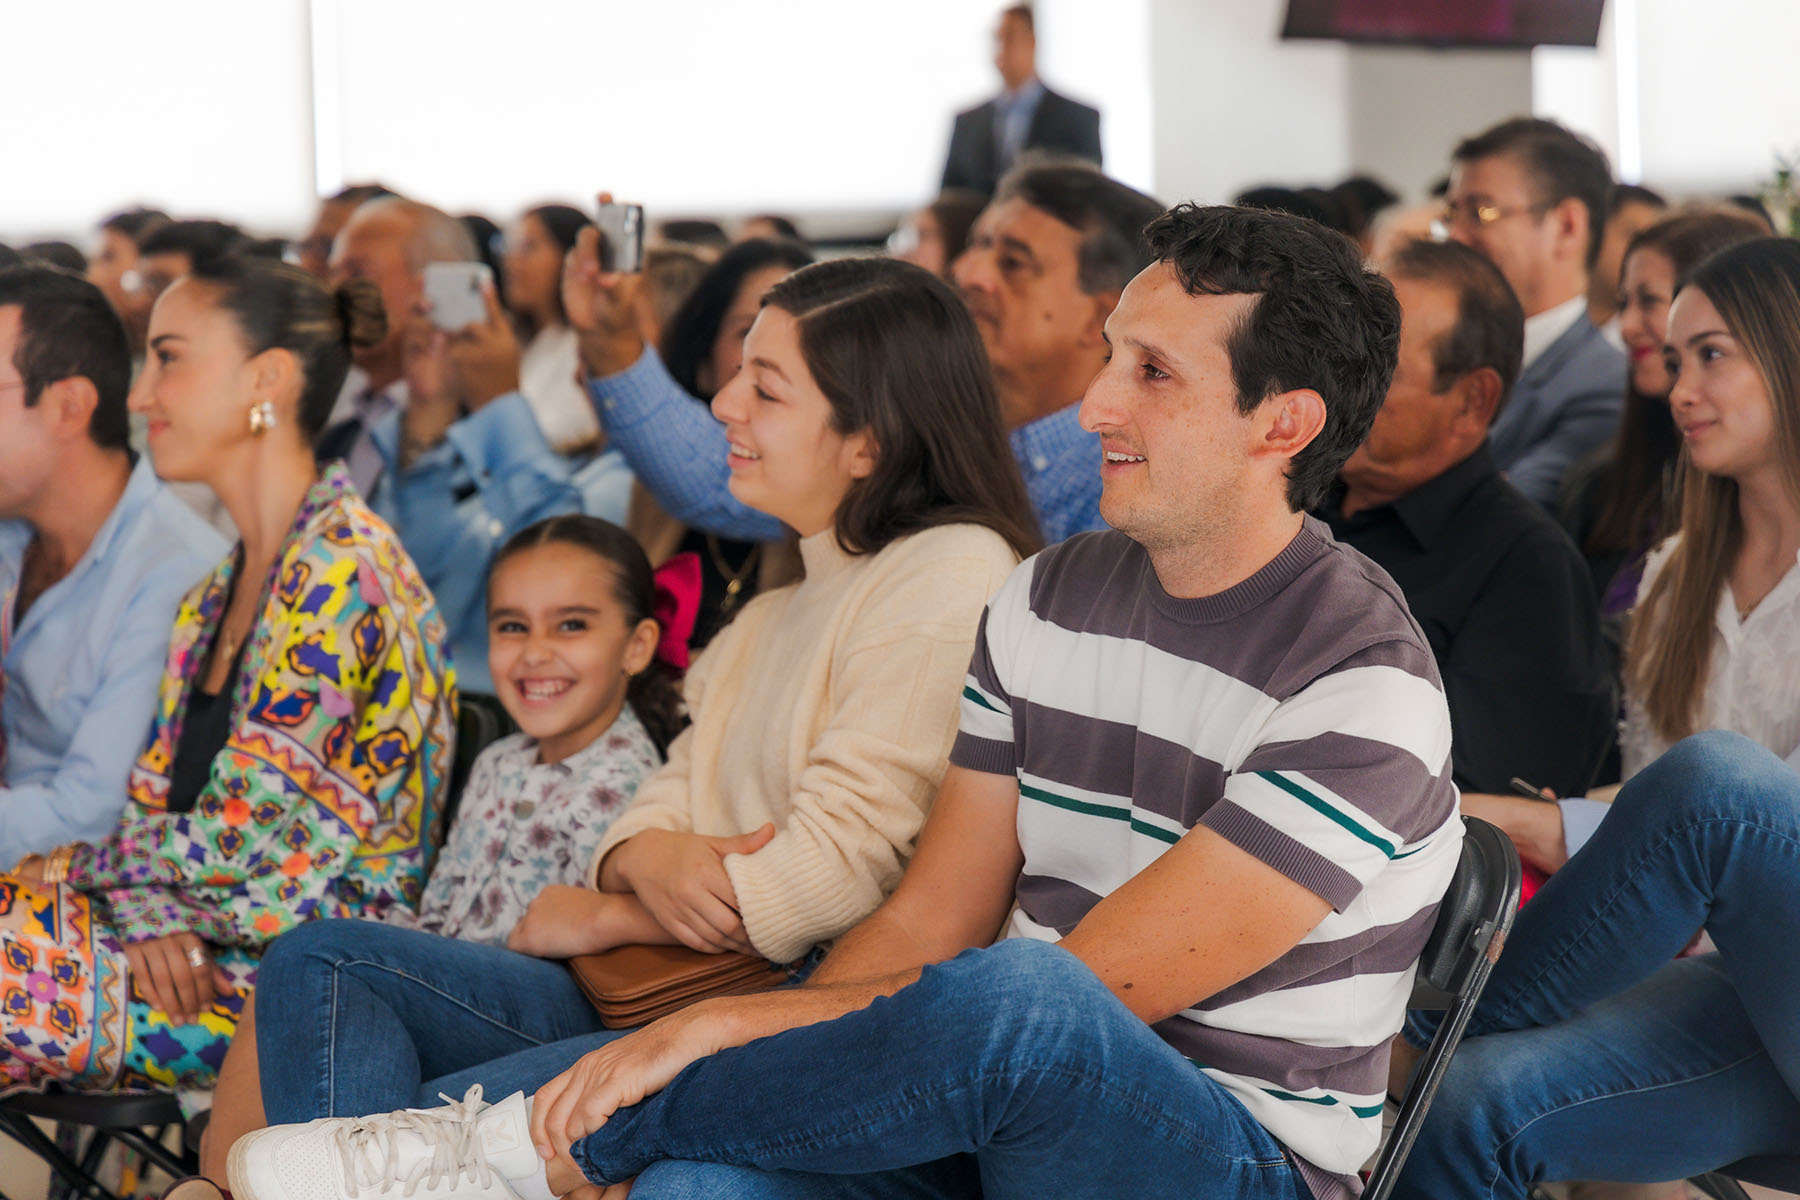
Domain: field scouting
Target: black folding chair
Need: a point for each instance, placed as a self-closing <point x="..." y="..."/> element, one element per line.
<point x="480" y="722"/>
<point x="140" y="1121"/>
<point x="1778" y="1171"/>
<point x="1465" y="943"/>
<point x="136" y="1121"/>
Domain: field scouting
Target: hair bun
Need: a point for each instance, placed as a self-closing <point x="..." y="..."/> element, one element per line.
<point x="364" y="316"/>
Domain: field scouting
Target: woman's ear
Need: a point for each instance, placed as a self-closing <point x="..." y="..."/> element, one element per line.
<point x="641" y="649"/>
<point x="861" y="453"/>
<point x="275" y="377"/>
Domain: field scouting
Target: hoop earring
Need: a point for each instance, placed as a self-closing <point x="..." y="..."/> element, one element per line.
<point x="262" y="418"/>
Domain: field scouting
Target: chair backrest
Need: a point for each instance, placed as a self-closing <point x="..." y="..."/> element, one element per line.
<point x="480" y="722"/>
<point x="1466" y="939"/>
<point x="1777" y="1172"/>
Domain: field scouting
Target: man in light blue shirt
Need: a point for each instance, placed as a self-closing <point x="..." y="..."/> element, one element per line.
<point x="1044" y="268"/>
<point x="95" y="555"/>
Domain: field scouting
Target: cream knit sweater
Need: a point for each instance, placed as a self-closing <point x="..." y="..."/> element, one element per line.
<point x="827" y="707"/>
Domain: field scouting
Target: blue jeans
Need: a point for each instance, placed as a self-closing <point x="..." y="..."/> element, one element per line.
<point x="355" y="1017"/>
<point x="1593" y="1053"/>
<point x="1007" y="1072"/>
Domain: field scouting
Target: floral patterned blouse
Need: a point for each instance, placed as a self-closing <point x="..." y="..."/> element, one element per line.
<point x="324" y="799"/>
<point x="523" y="825"/>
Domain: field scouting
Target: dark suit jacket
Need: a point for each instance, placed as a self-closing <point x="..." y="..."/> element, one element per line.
<point x="1059" y="125"/>
<point x="1565" y="404"/>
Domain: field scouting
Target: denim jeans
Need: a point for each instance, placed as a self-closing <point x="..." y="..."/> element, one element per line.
<point x="1006" y="1072"/>
<point x="1594" y="1054"/>
<point x="356" y="1017"/>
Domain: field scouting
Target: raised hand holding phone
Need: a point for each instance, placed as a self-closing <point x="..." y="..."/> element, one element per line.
<point x="602" y="306"/>
<point x="453" y="293"/>
<point x="484" y="354"/>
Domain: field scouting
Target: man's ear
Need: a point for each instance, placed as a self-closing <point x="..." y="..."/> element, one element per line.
<point x="1292" y="420"/>
<point x="1571" y="217"/>
<point x="69" y="404"/>
<point x="1480" y="392"/>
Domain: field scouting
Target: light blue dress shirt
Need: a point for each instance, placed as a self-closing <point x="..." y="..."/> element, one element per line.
<point x="678" y="449"/>
<point x="84" y="665"/>
<point x="1013" y="113"/>
<point x="456" y="504"/>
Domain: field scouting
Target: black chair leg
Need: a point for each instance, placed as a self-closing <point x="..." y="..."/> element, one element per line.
<point x="1720" y="1187"/>
<point x="155" y="1153"/>
<point x="62" y="1168"/>
<point x="68" y="1137"/>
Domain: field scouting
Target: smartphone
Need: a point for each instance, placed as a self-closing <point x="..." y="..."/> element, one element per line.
<point x="1524" y="788"/>
<point x="621" y="237"/>
<point x="453" y="290"/>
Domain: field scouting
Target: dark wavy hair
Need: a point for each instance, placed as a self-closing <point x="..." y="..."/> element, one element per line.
<point x="687" y="341"/>
<point x="897" y="354"/>
<point x="654" y="694"/>
<point x="1322" y="320"/>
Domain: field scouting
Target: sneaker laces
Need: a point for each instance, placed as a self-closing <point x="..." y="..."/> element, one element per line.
<point x="370" y="1148"/>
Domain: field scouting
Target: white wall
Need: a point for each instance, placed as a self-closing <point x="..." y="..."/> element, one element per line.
<point x="1410" y="106"/>
<point x="1236" y="106"/>
<point x="820" y="107"/>
<point x="1691" y="98"/>
<point x="206" y="107"/>
<point x="1718" y="90"/>
<point x="195" y="105"/>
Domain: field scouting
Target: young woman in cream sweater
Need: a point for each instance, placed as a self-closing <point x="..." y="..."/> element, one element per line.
<point x="864" y="418"/>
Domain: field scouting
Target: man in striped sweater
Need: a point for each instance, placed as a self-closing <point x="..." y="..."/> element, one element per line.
<point x="1163" y="919"/>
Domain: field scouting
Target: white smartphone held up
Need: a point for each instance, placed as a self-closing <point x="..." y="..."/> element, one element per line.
<point x="621" y="237"/>
<point x="453" y="291"/>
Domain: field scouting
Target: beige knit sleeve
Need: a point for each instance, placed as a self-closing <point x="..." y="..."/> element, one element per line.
<point x="663" y="801"/>
<point x="873" y="771"/>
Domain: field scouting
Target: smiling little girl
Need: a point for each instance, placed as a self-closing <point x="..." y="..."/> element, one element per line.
<point x="573" y="651"/>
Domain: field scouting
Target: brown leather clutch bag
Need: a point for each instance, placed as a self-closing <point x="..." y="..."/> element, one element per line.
<point x="634" y="985"/>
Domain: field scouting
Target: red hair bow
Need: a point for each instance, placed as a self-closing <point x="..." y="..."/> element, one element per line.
<point x="677" y="607"/>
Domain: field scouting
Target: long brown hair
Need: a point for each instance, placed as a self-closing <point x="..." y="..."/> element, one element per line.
<point x="896" y="353"/>
<point x="1642" y="500"/>
<point x="1755" y="286"/>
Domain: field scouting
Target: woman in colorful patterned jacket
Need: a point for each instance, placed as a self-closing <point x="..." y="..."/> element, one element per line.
<point x="298" y="757"/>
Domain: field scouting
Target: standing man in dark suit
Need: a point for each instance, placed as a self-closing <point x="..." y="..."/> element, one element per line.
<point x="989" y="138"/>
<point x="1532" y="197"/>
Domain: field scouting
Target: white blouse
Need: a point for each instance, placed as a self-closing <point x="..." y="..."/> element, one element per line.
<point x="1753" y="680"/>
<point x="561" y="405"/>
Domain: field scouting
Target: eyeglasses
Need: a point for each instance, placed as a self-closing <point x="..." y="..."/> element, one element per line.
<point x="1469" y="212"/>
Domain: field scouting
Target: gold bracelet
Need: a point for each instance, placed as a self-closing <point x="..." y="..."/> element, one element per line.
<point x="56" y="868"/>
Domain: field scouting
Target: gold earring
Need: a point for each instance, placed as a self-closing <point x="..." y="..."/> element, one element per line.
<point x="262" y="418"/>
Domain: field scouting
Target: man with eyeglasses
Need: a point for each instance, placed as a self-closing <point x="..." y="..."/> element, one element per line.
<point x="1531" y="196"/>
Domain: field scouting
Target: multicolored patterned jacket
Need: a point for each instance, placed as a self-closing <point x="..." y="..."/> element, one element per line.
<point x="325" y="799"/>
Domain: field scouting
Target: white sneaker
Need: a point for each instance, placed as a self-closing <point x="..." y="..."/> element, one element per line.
<point x="467" y="1150"/>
